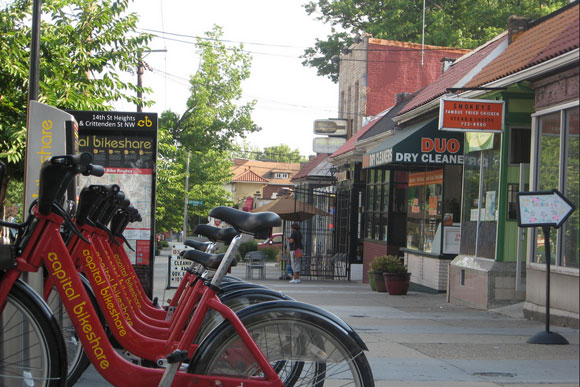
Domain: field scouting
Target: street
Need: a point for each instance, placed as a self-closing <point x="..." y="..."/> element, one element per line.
<point x="421" y="340"/>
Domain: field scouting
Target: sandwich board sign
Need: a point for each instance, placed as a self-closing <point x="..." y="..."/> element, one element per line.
<point x="544" y="209"/>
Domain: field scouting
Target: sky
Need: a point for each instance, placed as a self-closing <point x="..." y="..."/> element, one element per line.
<point x="289" y="96"/>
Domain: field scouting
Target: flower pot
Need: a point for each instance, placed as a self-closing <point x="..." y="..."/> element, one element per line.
<point x="397" y="284"/>
<point x="380" y="282"/>
<point x="372" y="281"/>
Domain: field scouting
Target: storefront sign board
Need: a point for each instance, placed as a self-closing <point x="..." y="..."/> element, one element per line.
<point x="471" y="115"/>
<point x="125" y="143"/>
<point x="337" y="127"/>
<point x="421" y="144"/>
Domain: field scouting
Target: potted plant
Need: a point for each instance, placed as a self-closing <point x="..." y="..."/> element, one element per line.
<point x="372" y="282"/>
<point x="378" y="267"/>
<point x="396" y="277"/>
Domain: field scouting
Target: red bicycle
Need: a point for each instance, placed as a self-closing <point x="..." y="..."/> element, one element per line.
<point x="270" y="344"/>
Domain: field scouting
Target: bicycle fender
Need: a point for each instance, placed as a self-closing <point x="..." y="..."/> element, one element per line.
<point x="330" y="320"/>
<point x="312" y="309"/>
<point x="24" y="287"/>
<point x="224" y="297"/>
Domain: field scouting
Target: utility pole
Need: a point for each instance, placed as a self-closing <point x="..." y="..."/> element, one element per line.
<point x="140" y="70"/>
<point x="184" y="236"/>
<point x="33" y="279"/>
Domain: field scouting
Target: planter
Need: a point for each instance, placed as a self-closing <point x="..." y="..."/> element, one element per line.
<point x="380" y="282"/>
<point x="372" y="281"/>
<point x="397" y="284"/>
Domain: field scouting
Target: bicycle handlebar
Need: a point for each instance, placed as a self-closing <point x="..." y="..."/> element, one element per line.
<point x="58" y="172"/>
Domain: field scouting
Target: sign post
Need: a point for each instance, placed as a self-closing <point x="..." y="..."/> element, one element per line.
<point x="544" y="209"/>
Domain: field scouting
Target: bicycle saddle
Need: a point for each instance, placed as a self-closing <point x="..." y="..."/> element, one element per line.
<point x="216" y="234"/>
<point x="201" y="246"/>
<point x="209" y="261"/>
<point x="248" y="222"/>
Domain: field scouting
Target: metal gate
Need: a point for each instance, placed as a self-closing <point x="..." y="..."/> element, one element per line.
<point x="325" y="256"/>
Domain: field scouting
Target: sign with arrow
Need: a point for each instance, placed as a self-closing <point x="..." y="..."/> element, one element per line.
<point x="548" y="208"/>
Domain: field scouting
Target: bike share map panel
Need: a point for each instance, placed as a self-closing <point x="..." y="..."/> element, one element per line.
<point x="125" y="143"/>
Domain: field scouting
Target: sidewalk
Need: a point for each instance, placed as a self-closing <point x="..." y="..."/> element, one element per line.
<point x="421" y="340"/>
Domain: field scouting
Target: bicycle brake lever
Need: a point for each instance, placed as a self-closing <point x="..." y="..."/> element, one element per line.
<point x="68" y="221"/>
<point x="125" y="241"/>
<point x="109" y="233"/>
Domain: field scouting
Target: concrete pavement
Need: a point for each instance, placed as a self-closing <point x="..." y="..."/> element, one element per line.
<point x="421" y="340"/>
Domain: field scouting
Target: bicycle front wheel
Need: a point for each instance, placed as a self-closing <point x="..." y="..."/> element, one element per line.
<point x="32" y="351"/>
<point x="304" y="349"/>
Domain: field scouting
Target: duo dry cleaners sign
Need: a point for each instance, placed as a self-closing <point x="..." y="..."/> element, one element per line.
<point x="421" y="144"/>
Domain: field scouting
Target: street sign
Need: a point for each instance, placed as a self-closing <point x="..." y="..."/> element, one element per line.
<point x="196" y="202"/>
<point x="548" y="208"/>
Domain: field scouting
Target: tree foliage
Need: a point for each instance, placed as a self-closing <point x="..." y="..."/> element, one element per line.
<point x="282" y="154"/>
<point x="206" y="130"/>
<point x="84" y="47"/>
<point x="212" y="119"/>
<point x="451" y="23"/>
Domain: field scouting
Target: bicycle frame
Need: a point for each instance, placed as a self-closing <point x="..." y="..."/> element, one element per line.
<point x="46" y="246"/>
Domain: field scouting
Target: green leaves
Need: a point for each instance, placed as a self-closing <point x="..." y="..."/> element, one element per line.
<point x="84" y="46"/>
<point x="214" y="118"/>
<point x="452" y="23"/>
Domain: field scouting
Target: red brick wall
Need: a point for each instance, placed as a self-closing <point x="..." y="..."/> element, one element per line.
<point x="395" y="69"/>
<point x="370" y="251"/>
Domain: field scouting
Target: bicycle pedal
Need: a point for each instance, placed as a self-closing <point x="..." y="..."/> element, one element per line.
<point x="177" y="357"/>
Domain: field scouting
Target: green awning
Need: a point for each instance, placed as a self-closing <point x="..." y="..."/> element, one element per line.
<point x="417" y="144"/>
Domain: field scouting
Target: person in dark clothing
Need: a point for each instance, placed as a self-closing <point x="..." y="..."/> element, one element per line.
<point x="295" y="241"/>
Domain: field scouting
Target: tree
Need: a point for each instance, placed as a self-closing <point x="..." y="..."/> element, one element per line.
<point x="452" y="23"/>
<point x="281" y="153"/>
<point x="206" y="130"/>
<point x="85" y="45"/>
<point x="212" y="119"/>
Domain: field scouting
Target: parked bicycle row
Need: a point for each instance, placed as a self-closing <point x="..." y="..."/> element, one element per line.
<point x="216" y="330"/>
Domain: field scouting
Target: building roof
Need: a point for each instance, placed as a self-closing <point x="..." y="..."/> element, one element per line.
<point x="310" y="166"/>
<point x="544" y="39"/>
<point x="459" y="73"/>
<point x="415" y="46"/>
<point x="386" y="122"/>
<point x="349" y="144"/>
<point x="249" y="176"/>
<point x="262" y="171"/>
<point x="378" y="125"/>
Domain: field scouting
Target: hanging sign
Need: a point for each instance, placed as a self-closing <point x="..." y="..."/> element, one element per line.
<point x="471" y="115"/>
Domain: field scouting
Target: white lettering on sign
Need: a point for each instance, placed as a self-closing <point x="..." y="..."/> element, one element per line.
<point x="379" y="158"/>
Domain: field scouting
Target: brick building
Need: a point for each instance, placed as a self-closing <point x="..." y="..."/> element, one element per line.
<point x="373" y="71"/>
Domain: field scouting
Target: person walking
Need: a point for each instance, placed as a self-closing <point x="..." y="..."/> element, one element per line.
<point x="295" y="241"/>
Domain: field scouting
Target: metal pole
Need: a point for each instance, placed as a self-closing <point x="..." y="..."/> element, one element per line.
<point x="33" y="279"/>
<point x="519" y="261"/>
<point x="35" y="52"/>
<point x="183" y="237"/>
<point x="548" y="258"/>
<point x="423" y="36"/>
<point x="140" y="84"/>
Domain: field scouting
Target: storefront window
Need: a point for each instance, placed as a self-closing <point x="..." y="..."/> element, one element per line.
<point x="548" y="175"/>
<point x="424" y="209"/>
<point x="377" y="204"/>
<point x="480" y="198"/>
<point x="558" y="167"/>
<point x="571" y="229"/>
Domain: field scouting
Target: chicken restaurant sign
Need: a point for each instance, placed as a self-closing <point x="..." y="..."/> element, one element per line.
<point x="471" y="115"/>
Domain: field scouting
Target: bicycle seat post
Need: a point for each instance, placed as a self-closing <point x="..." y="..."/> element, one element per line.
<point x="226" y="262"/>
